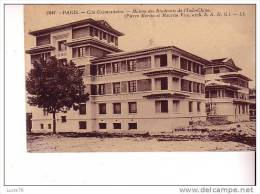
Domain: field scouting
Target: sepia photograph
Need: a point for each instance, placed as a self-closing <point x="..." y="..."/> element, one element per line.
<point x="140" y="78"/>
<point x="129" y="97"/>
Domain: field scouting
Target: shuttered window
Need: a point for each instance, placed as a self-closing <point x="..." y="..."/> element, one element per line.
<point x="143" y="63"/>
<point x="108" y="88"/>
<point x="124" y="87"/>
<point x="80" y="32"/>
<point x="144" y="85"/>
<point x="43" y="40"/>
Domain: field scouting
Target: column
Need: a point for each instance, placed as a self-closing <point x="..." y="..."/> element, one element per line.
<point x="169" y="58"/>
<point x="153" y="84"/>
<point x="152" y="62"/>
<point x="170" y="83"/>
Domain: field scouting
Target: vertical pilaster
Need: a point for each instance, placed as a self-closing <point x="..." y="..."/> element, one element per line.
<point x="152" y="62"/>
<point x="169" y="58"/>
<point x="153" y="84"/>
<point x="170" y="83"/>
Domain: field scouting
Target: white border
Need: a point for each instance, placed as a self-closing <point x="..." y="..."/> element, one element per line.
<point x="99" y="168"/>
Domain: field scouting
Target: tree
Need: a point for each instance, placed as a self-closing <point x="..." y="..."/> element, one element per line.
<point x="55" y="86"/>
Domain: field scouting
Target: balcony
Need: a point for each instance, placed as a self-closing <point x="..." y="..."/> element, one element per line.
<point x="40" y="49"/>
<point x="166" y="71"/>
<point x="92" y="41"/>
<point x="168" y="94"/>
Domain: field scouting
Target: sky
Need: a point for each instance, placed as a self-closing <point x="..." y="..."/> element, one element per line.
<point x="208" y="37"/>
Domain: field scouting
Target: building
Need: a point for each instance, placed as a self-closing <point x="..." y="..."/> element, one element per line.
<point x="227" y="92"/>
<point x="156" y="89"/>
<point x="252" y="105"/>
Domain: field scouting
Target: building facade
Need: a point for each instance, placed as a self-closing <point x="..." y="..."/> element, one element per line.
<point x="252" y="105"/>
<point x="227" y="91"/>
<point x="156" y="89"/>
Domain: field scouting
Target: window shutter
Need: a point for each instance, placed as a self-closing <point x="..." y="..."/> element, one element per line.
<point x="108" y="68"/>
<point x="108" y="88"/>
<point x="123" y="66"/>
<point x="124" y="87"/>
<point x="144" y="85"/>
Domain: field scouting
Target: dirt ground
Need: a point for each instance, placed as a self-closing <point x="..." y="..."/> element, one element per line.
<point x="92" y="144"/>
<point x="208" y="138"/>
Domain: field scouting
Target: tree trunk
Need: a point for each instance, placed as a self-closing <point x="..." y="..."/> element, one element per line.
<point x="54" y="121"/>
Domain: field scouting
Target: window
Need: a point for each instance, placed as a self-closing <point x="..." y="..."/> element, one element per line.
<point x="117" y="125"/>
<point x="108" y="68"/>
<point x="102" y="108"/>
<point x="91" y="31"/>
<point x="104" y="36"/>
<point x="42" y="126"/>
<point x="61" y="45"/>
<point x="132" y="107"/>
<point x="123" y="66"/>
<point x="78" y="52"/>
<point x="195" y="87"/>
<point x="96" y="32"/>
<point x="131" y="65"/>
<point x="45" y="112"/>
<point x="176" y="105"/>
<point x="161" y="106"/>
<point x="216" y="70"/>
<point x="117" y="108"/>
<point x="102" y="125"/>
<point x="63" y="119"/>
<point x="198" y="106"/>
<point x="100" y="35"/>
<point x="82" y="109"/>
<point x="195" y="67"/>
<point x="143" y="63"/>
<point x="202" y="88"/>
<point x="189" y="66"/>
<point x="132" y="86"/>
<point x="101" y="69"/>
<point x="81" y="51"/>
<point x="116" y="88"/>
<point x="115" y="67"/>
<point x="82" y="125"/>
<point x="116" y="41"/>
<point x="164" y="83"/>
<point x="161" y="83"/>
<point x="186" y="85"/>
<point x="190" y="86"/>
<point x="162" y="60"/>
<point x="203" y="71"/>
<point x="190" y="106"/>
<point x="93" y="70"/>
<point x="183" y="64"/>
<point x="43" y="40"/>
<point x="49" y="126"/>
<point x="132" y="126"/>
<point x="101" y="89"/>
<point x="198" y="88"/>
<point x="80" y="32"/>
<point x="112" y="38"/>
<point x="144" y="85"/>
<point x="124" y="86"/>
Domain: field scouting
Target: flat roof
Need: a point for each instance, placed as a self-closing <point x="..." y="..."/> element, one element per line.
<point x="121" y="55"/>
<point x="99" y="23"/>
